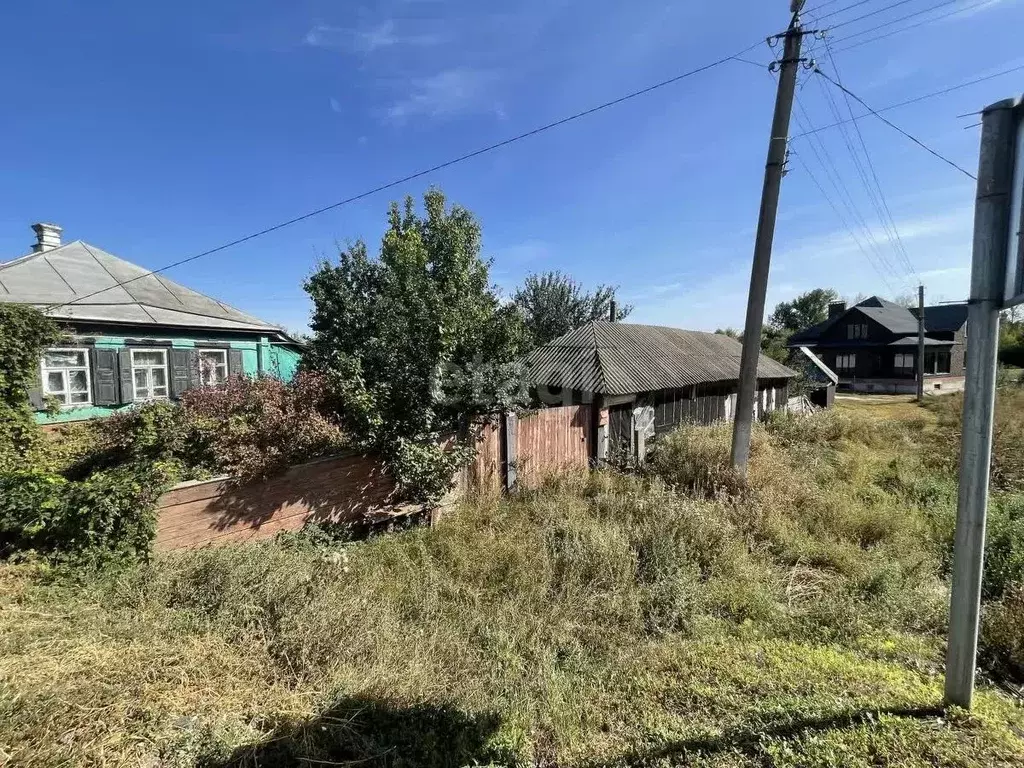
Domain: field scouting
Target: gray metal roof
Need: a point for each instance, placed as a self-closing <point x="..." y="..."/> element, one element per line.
<point x="947" y="318"/>
<point x="624" y="358"/>
<point x="898" y="320"/>
<point x="77" y="269"/>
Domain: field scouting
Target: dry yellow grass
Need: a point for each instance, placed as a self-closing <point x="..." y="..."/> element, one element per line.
<point x="600" y="620"/>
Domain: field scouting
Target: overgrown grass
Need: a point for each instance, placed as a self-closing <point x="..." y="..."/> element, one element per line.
<point x="677" y="618"/>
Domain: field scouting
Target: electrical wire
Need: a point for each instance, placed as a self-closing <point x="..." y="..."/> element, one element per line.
<point x="892" y="22"/>
<point x="845" y="8"/>
<point x="419" y="174"/>
<point x="863" y="177"/>
<point x="879" y="261"/>
<point x="896" y="127"/>
<point x="869" y="15"/>
<point x="939" y="17"/>
<point x="916" y="99"/>
<point x="842" y="220"/>
<point x="885" y="212"/>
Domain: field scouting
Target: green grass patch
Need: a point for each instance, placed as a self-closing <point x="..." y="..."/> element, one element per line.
<point x="679" y="617"/>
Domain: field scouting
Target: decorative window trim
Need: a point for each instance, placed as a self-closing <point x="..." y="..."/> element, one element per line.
<point x="846" y="362"/>
<point x="166" y="386"/>
<point x="44" y="369"/>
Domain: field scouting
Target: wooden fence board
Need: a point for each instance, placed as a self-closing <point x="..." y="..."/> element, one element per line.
<point x="553" y="440"/>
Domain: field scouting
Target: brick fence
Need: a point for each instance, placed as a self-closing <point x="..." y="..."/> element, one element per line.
<point x="354" y="488"/>
<point x="348" y="488"/>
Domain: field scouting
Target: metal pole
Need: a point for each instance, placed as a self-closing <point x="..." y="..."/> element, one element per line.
<point x="920" y="343"/>
<point x="988" y="275"/>
<point x="743" y="423"/>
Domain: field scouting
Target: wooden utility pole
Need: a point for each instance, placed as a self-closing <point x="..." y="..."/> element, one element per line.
<point x="920" y="343"/>
<point x="773" y="172"/>
<point x="997" y="243"/>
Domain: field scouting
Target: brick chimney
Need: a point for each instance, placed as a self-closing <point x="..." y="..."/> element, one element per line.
<point x="47" y="237"/>
<point x="836" y="308"/>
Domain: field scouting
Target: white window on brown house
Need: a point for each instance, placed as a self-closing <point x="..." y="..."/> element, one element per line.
<point x="149" y="374"/>
<point x="903" y="362"/>
<point x="66" y="376"/>
<point x="846" y="362"/>
<point x="213" y="367"/>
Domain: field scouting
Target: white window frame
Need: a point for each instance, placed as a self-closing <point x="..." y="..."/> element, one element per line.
<point x="149" y="375"/>
<point x="904" y="368"/>
<point x="224" y="358"/>
<point x="856" y="331"/>
<point x="44" y="369"/>
<point x="850" y="358"/>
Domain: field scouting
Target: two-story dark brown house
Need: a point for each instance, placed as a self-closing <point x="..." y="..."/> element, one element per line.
<point x="872" y="346"/>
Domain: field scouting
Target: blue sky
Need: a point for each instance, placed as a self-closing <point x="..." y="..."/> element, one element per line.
<point x="159" y="130"/>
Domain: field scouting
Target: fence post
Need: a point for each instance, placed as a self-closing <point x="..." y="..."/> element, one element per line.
<point x="509" y="450"/>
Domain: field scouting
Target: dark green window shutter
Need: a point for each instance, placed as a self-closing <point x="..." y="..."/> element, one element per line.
<point x="104" y="377"/>
<point x="235" y="362"/>
<point x="124" y="361"/>
<point x="181" y="367"/>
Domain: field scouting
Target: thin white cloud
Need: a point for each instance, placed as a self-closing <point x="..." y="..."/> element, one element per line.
<point x="709" y="300"/>
<point x="448" y="93"/>
<point x="335" y="105"/>
<point x="966" y="8"/>
<point x="367" y="39"/>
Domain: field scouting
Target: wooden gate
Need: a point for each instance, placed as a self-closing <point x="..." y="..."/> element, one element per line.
<point x="552" y="440"/>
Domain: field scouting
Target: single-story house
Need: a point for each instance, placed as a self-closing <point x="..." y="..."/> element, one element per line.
<point x="132" y="336"/>
<point x="645" y="380"/>
<point x="872" y="346"/>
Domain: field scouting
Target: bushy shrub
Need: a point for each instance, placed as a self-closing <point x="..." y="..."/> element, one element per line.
<point x="252" y="428"/>
<point x="695" y="459"/>
<point x="425" y="471"/>
<point x="248" y="428"/>
<point x="108" y="514"/>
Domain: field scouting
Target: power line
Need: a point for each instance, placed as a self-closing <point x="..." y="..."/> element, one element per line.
<point x="843" y="221"/>
<point x="896" y="127"/>
<point x="831" y="170"/>
<point x="846" y="8"/>
<point x="886" y="211"/>
<point x="879" y="260"/>
<point x="818" y="7"/>
<point x="869" y="15"/>
<point x="916" y="99"/>
<point x="419" y="174"/>
<point x="863" y="176"/>
<point x="907" y="18"/>
<point x="939" y="17"/>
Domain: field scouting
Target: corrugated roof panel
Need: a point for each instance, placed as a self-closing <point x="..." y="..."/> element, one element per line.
<point x="623" y="358"/>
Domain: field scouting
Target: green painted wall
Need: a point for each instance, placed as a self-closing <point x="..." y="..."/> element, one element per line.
<point x="277" y="360"/>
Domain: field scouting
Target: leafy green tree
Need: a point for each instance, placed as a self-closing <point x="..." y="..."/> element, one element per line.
<point x="1011" y="338"/>
<point x="415" y="340"/>
<point x="805" y="310"/>
<point x="790" y="317"/>
<point x="553" y="304"/>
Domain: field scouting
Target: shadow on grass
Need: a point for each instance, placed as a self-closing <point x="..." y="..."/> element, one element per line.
<point x="369" y="732"/>
<point x="750" y="741"/>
